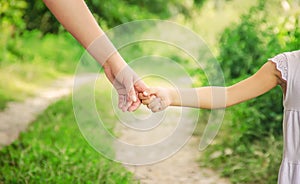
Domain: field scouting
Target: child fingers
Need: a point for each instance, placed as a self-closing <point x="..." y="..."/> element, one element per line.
<point x="156" y="108"/>
<point x="143" y="97"/>
<point x="154" y="102"/>
<point x="149" y="92"/>
<point x="148" y="100"/>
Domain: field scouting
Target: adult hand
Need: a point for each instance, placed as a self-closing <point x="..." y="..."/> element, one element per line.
<point x="126" y="82"/>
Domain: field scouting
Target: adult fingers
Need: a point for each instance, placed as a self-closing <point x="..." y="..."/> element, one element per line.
<point x="131" y="92"/>
<point x="134" y="106"/>
<point x="122" y="101"/>
<point x="130" y="97"/>
<point x="128" y="103"/>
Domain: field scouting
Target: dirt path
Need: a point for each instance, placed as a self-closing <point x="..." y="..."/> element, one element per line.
<point x="18" y="115"/>
<point x="180" y="168"/>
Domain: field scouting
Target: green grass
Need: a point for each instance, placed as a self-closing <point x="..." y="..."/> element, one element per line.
<point x="54" y="151"/>
<point x="257" y="162"/>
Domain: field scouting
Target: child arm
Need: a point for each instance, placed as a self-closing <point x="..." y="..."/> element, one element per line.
<point x="266" y="78"/>
<point x="217" y="97"/>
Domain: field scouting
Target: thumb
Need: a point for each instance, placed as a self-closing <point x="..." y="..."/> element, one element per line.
<point x="150" y="91"/>
<point x="141" y="87"/>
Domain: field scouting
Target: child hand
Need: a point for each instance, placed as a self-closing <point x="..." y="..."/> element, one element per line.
<point x="157" y="100"/>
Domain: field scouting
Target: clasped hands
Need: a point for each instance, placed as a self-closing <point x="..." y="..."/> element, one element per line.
<point x="132" y="91"/>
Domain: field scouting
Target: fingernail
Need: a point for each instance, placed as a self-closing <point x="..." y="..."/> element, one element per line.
<point x="134" y="98"/>
<point x="145" y="93"/>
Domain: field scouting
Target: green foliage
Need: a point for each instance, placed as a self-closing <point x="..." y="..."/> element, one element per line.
<point x="242" y="45"/>
<point x="54" y="151"/>
<point x="254" y="133"/>
<point x="107" y="13"/>
<point x="11" y="13"/>
<point x="11" y="23"/>
<point x="244" y="48"/>
<point x="37" y="16"/>
<point x="199" y="2"/>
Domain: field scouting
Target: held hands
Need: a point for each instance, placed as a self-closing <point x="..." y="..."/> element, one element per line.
<point x="158" y="99"/>
<point x="132" y="91"/>
<point x="122" y="77"/>
<point x="126" y="82"/>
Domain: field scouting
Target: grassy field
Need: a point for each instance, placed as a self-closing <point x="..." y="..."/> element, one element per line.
<point x="54" y="151"/>
<point x="257" y="163"/>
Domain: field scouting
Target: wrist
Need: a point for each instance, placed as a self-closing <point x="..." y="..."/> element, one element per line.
<point x="174" y="97"/>
<point x="115" y="62"/>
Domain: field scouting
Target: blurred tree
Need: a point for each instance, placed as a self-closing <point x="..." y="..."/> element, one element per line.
<point x="11" y="13"/>
<point x="11" y="24"/>
<point x="108" y="13"/>
<point x="38" y="17"/>
<point x="199" y="2"/>
<point x="244" y="48"/>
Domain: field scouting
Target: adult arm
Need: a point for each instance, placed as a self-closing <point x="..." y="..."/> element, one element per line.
<point x="75" y="16"/>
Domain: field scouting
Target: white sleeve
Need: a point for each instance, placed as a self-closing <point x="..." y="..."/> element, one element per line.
<point x="281" y="62"/>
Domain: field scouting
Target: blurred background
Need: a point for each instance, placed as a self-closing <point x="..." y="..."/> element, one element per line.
<point x="36" y="50"/>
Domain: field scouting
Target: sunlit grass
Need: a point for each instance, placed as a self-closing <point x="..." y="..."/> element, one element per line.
<point x="54" y="151"/>
<point x="21" y="80"/>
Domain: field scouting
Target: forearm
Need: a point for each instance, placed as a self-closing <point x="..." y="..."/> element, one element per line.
<point x="220" y="97"/>
<point x="204" y="97"/>
<point x="75" y="16"/>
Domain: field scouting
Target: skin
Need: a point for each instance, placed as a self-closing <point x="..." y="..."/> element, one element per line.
<point x="75" y="16"/>
<point x="265" y="79"/>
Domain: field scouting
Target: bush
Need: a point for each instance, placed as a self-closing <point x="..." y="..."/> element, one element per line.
<point x="244" y="48"/>
<point x="107" y="13"/>
<point x="254" y="133"/>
